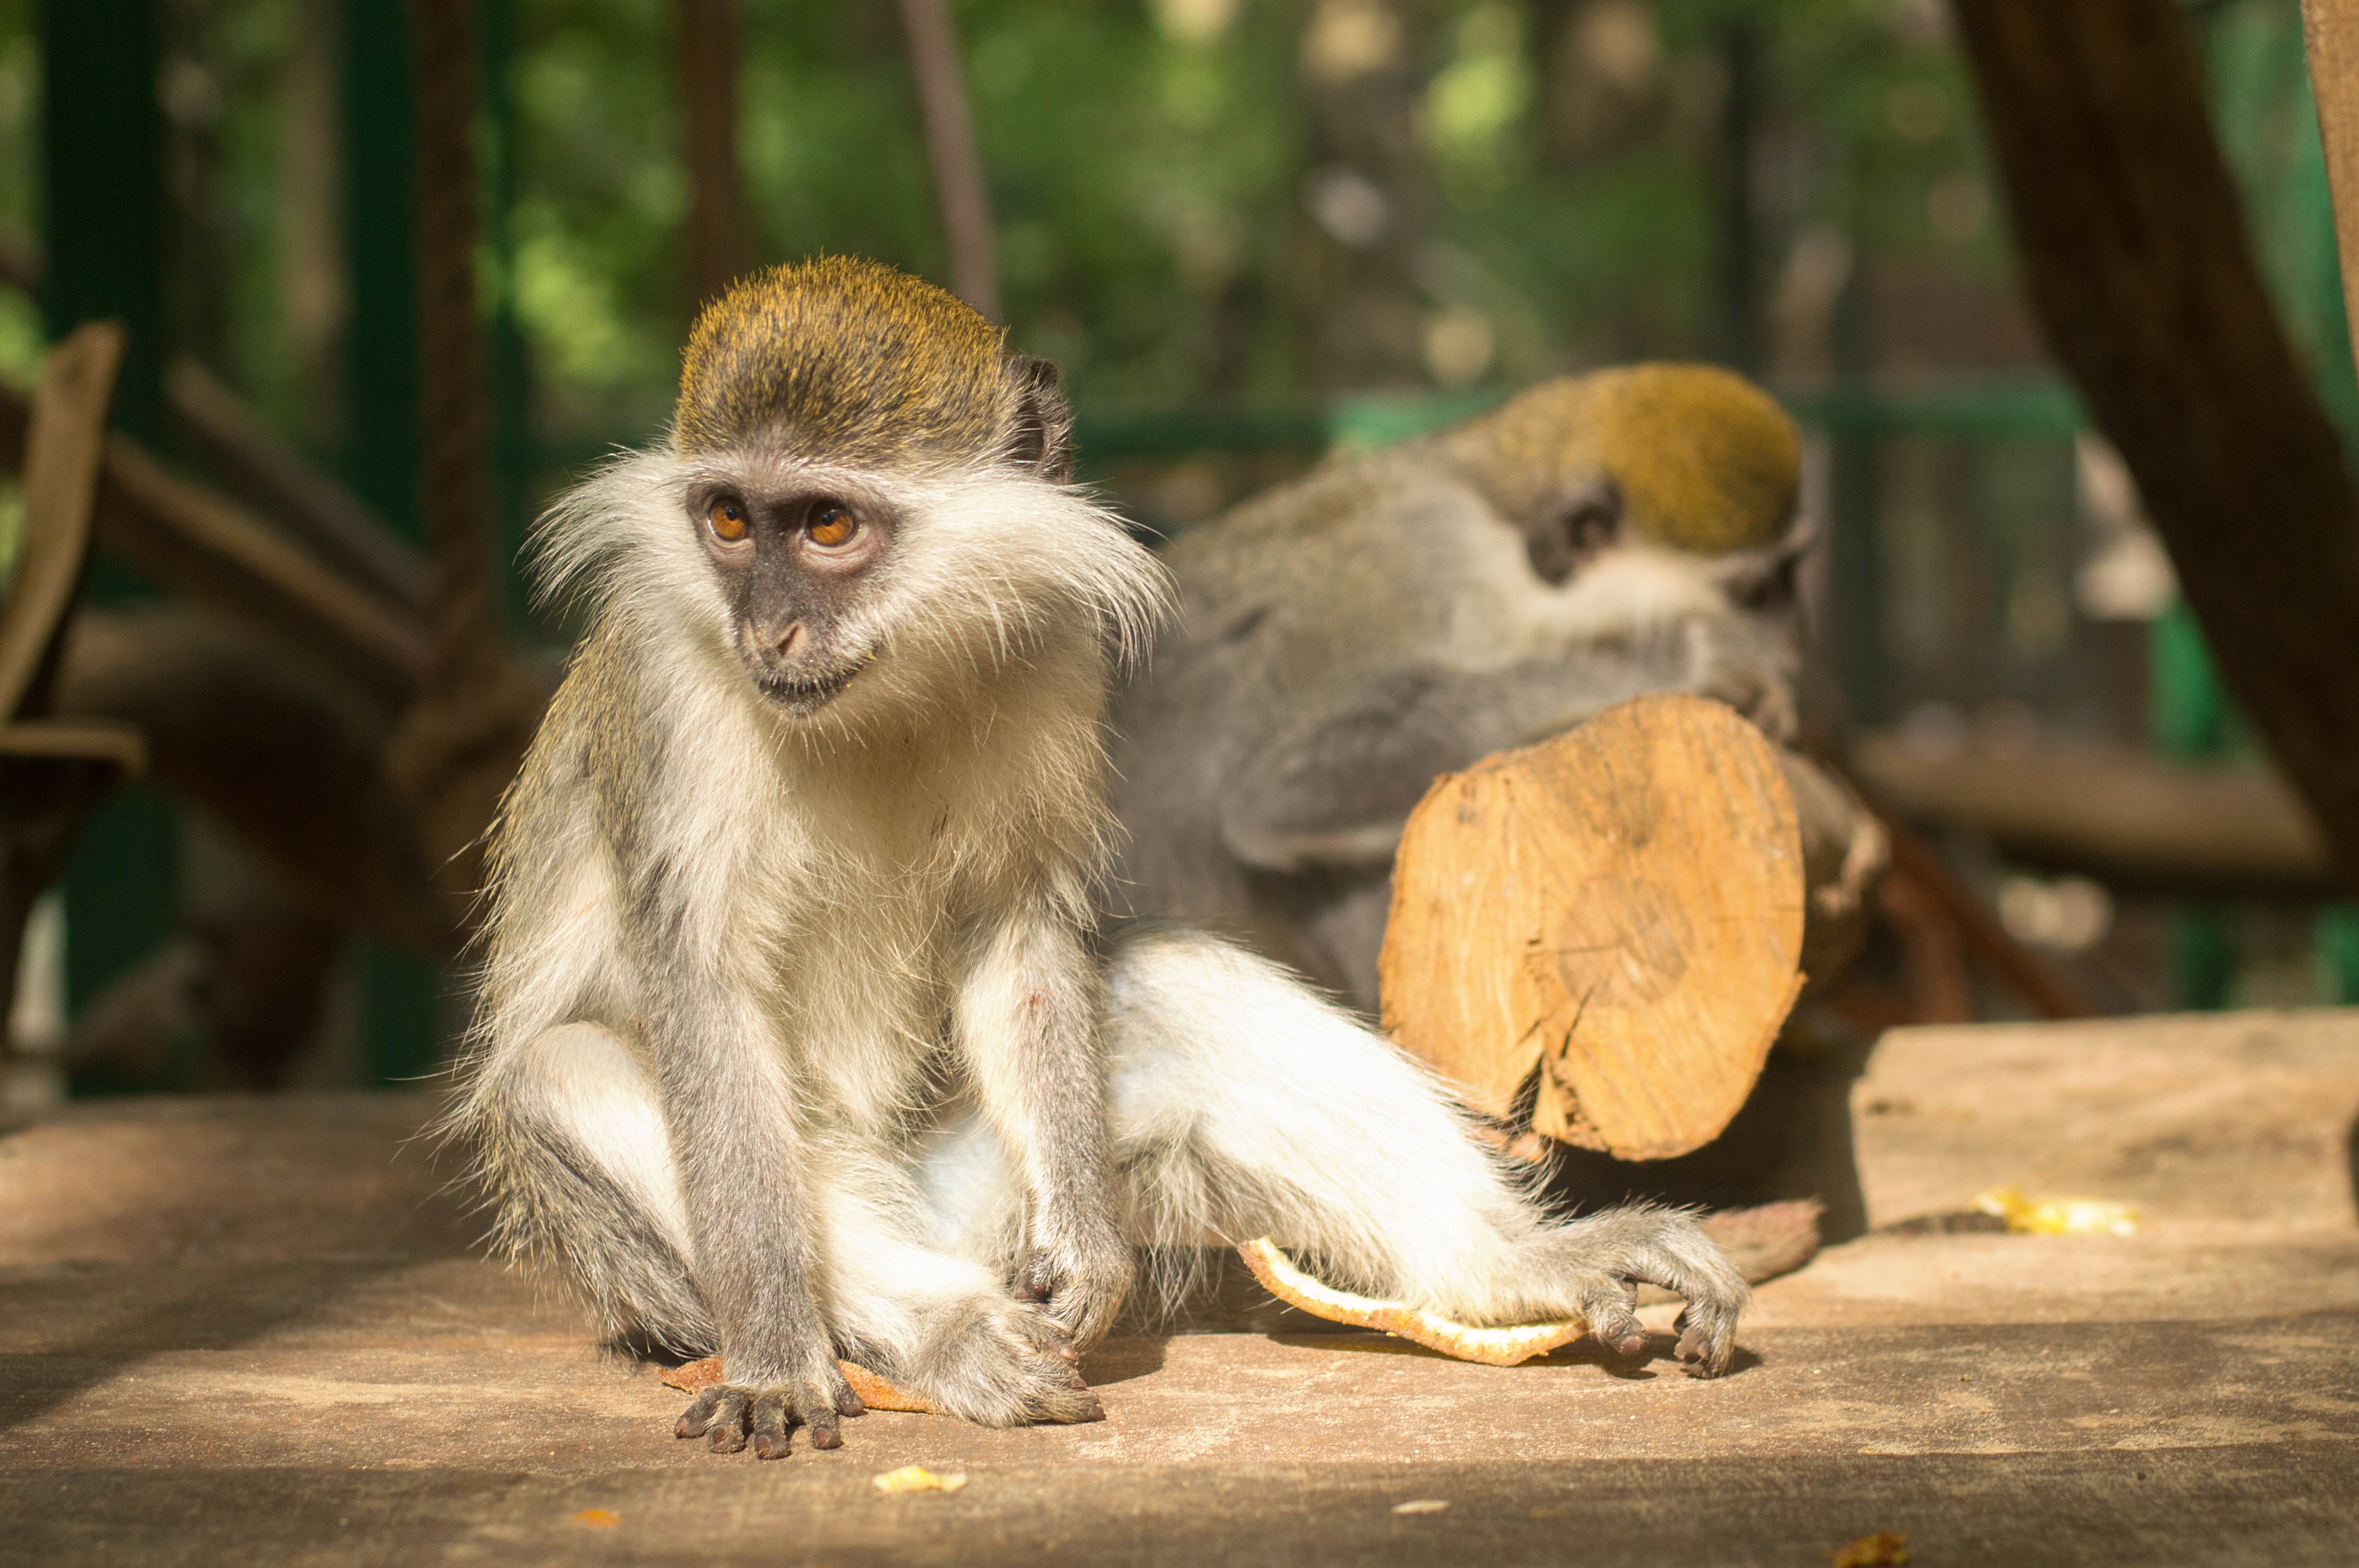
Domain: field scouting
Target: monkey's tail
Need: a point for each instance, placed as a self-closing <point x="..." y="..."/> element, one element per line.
<point x="1246" y="1105"/>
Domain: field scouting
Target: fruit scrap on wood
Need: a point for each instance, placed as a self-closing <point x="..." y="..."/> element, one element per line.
<point x="1491" y="1346"/>
<point x="917" y="1478"/>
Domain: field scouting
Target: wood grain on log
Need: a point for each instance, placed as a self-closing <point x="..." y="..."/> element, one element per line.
<point x="1608" y="923"/>
<point x="2135" y="256"/>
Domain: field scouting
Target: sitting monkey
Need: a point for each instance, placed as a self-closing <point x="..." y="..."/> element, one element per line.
<point x="1399" y="614"/>
<point x="798" y="1036"/>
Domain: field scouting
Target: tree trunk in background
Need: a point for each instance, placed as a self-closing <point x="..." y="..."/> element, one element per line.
<point x="951" y="147"/>
<point x="2135" y="256"/>
<point x="316" y="308"/>
<point x="1365" y="66"/>
<point x="456" y="490"/>
<point x="2330" y="39"/>
<point x="720" y="241"/>
<point x="460" y="744"/>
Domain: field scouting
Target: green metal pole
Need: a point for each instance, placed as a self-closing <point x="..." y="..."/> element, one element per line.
<point x="1855" y="551"/>
<point x="512" y="436"/>
<point x="1740" y="260"/>
<point x="103" y="190"/>
<point x="384" y="448"/>
<point x="102" y="224"/>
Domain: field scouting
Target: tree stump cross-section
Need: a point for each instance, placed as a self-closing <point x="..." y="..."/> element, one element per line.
<point x="1603" y="931"/>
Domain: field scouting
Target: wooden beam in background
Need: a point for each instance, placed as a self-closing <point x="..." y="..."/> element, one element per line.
<point x="719" y="239"/>
<point x="951" y="147"/>
<point x="2131" y="236"/>
<point x="2330" y="32"/>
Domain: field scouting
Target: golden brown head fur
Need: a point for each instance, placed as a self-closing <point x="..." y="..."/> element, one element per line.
<point x="846" y="360"/>
<point x="1704" y="460"/>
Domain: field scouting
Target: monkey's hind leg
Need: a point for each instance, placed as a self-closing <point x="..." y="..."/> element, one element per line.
<point x="571" y="1143"/>
<point x="940" y="1324"/>
<point x="1246" y="1106"/>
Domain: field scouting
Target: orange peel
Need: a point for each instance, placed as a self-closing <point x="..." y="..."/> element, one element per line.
<point x="1491" y="1346"/>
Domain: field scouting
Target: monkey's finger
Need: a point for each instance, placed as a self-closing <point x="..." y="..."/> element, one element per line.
<point x="699" y="1415"/>
<point x="1608" y="1305"/>
<point x="840" y="1394"/>
<point x="823" y="1432"/>
<point x="726" y="1434"/>
<point x="770" y="1424"/>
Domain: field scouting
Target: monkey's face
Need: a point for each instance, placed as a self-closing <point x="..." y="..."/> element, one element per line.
<point x="794" y="559"/>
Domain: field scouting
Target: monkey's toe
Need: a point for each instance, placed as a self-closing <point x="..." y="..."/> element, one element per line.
<point x="729" y="1416"/>
<point x="1707" y="1339"/>
<point x="1606" y="1304"/>
<point x="1072" y="1406"/>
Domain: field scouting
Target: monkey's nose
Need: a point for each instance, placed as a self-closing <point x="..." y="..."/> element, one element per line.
<point x="790" y="637"/>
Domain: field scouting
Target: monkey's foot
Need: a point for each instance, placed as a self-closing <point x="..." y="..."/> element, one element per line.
<point x="726" y="1414"/>
<point x="1605" y="1256"/>
<point x="1005" y="1365"/>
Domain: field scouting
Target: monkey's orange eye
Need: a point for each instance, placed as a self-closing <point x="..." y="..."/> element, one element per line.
<point x="727" y="520"/>
<point x="833" y="525"/>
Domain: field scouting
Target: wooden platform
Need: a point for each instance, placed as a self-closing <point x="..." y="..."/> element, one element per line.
<point x="253" y="1332"/>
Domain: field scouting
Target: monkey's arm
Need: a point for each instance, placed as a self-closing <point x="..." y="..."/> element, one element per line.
<point x="1334" y="786"/>
<point x="1027" y="1024"/>
<point x="729" y="1112"/>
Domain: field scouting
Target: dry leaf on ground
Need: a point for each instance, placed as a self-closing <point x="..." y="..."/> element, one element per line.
<point x="874" y="1392"/>
<point x="1885" y="1549"/>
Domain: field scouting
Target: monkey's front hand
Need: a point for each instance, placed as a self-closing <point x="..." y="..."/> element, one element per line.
<point x="1728" y="660"/>
<point x="726" y="1414"/>
<point x="1079" y="1274"/>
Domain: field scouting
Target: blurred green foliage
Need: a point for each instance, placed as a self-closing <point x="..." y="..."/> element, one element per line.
<point x="1150" y="165"/>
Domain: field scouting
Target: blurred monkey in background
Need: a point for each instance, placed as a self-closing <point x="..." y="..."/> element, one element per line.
<point x="1400" y="614"/>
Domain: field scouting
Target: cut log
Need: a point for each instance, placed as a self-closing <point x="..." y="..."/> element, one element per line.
<point x="1603" y="932"/>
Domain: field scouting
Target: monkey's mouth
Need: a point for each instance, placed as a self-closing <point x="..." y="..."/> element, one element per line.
<point x="808" y="693"/>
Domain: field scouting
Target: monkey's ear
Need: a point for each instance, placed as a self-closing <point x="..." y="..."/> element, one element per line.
<point x="1569" y="527"/>
<point x="1766" y="578"/>
<point x="1043" y="439"/>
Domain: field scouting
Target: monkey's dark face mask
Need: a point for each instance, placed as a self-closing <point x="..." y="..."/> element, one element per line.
<point x="792" y="567"/>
